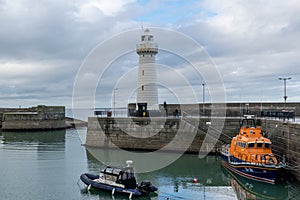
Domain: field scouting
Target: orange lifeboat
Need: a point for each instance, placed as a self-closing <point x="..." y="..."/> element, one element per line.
<point x="250" y="154"/>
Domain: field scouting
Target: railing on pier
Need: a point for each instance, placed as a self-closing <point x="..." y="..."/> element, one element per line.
<point x="109" y="112"/>
<point x="284" y="114"/>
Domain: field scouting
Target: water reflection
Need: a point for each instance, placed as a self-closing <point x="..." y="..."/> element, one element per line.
<point x="47" y="165"/>
<point x="186" y="168"/>
<point x="213" y="182"/>
<point x="34" y="165"/>
<point x="98" y="194"/>
<point x="176" y="180"/>
<point x="40" y="143"/>
<point x="41" y="137"/>
<point x="250" y="189"/>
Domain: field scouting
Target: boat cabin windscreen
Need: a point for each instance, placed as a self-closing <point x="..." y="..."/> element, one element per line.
<point x="251" y="145"/>
<point x="112" y="171"/>
<point x="127" y="173"/>
<point x="267" y="145"/>
<point x="248" y="123"/>
<point x="259" y="145"/>
<point x="127" y="178"/>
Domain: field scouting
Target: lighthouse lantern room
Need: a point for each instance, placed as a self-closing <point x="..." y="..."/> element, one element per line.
<point x="147" y="87"/>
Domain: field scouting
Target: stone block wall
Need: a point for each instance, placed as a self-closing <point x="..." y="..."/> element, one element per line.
<point x="40" y="117"/>
<point x="171" y="134"/>
<point x="285" y="139"/>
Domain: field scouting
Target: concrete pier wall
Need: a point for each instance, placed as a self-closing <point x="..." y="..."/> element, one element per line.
<point x="40" y="117"/>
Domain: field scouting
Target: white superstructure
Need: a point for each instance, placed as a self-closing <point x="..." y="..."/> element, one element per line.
<point x="147" y="88"/>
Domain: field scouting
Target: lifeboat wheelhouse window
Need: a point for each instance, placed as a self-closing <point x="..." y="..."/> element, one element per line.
<point x="241" y="144"/>
<point x="248" y="123"/>
<point x="259" y="145"/>
<point x="250" y="145"/>
<point x="267" y="145"/>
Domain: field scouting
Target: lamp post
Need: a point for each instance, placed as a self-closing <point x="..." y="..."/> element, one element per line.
<point x="114" y="108"/>
<point x="247" y="108"/>
<point x="284" y="89"/>
<point x="203" y="93"/>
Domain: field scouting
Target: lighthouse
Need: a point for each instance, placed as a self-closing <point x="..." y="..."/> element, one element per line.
<point x="147" y="88"/>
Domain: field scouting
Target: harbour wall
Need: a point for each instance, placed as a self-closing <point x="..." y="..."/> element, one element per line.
<point x="285" y="139"/>
<point x="171" y="134"/>
<point x="34" y="118"/>
<point x="133" y="133"/>
<point x="233" y="109"/>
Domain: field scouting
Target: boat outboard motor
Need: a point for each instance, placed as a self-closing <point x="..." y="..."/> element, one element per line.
<point x="146" y="187"/>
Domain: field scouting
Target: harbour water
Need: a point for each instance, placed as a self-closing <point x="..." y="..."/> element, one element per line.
<point x="47" y="165"/>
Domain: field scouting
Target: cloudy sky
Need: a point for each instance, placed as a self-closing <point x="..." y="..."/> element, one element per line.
<point x="43" y="43"/>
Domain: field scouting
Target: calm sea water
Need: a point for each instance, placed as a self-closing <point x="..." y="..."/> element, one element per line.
<point x="47" y="165"/>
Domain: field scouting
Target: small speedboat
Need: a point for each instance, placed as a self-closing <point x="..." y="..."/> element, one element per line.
<point x="250" y="154"/>
<point x="118" y="180"/>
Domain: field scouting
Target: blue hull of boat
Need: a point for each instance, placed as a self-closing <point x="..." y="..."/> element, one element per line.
<point x="251" y="171"/>
<point x="88" y="180"/>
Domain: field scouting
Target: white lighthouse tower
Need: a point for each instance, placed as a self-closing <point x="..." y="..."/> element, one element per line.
<point x="147" y="88"/>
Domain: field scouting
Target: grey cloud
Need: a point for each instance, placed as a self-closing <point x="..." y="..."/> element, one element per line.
<point x="52" y="36"/>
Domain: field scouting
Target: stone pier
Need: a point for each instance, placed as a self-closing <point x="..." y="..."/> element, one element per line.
<point x="133" y="133"/>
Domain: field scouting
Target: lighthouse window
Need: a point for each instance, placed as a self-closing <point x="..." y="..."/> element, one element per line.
<point x="143" y="73"/>
<point x="142" y="88"/>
